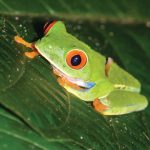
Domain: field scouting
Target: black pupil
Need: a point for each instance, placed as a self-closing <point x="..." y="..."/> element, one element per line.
<point x="76" y="60"/>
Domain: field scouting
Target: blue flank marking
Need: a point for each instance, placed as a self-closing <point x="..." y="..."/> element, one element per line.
<point x="89" y="85"/>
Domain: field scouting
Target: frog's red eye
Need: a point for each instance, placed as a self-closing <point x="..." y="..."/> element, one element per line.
<point x="48" y="26"/>
<point x="76" y="59"/>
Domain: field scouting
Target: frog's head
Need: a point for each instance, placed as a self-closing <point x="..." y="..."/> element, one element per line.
<point x="71" y="58"/>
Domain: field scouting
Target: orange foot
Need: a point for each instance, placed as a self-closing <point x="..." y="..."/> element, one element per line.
<point x="32" y="54"/>
<point x="98" y="106"/>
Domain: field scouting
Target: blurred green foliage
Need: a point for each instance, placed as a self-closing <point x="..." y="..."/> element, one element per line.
<point x="35" y="112"/>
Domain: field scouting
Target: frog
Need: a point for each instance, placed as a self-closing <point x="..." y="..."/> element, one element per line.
<point x="86" y="73"/>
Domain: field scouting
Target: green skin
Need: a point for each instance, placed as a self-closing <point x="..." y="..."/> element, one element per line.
<point x="55" y="45"/>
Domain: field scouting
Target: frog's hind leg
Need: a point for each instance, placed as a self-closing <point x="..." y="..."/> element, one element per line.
<point x="34" y="52"/>
<point x="123" y="102"/>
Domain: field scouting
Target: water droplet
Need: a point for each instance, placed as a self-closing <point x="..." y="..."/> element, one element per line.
<point x="3" y="31"/>
<point x="22" y="62"/>
<point x="111" y="33"/>
<point x="148" y="24"/>
<point x="126" y="128"/>
<point x="16" y="18"/>
<point x="110" y="120"/>
<point x="9" y="76"/>
<point x="19" y="52"/>
<point x="97" y="44"/>
<point x="10" y="80"/>
<point x="6" y="39"/>
<point x="117" y="121"/>
<point x="28" y="119"/>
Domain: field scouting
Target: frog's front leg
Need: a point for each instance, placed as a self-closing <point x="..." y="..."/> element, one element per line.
<point x="34" y="52"/>
<point x="63" y="82"/>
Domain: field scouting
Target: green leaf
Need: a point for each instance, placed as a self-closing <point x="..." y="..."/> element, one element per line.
<point x="37" y="113"/>
<point x="116" y="11"/>
<point x="15" y="134"/>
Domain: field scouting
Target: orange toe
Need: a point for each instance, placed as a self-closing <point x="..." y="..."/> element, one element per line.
<point x="32" y="54"/>
<point x="20" y="40"/>
<point x="98" y="106"/>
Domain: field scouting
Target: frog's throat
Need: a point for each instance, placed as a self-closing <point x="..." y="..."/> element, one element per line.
<point x="76" y="83"/>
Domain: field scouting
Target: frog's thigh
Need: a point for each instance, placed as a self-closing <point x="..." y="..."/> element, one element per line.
<point x="123" y="102"/>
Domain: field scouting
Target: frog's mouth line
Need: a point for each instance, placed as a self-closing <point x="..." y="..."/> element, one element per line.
<point x="75" y="83"/>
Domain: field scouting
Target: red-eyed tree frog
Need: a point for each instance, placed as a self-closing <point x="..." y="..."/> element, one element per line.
<point x="86" y="73"/>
